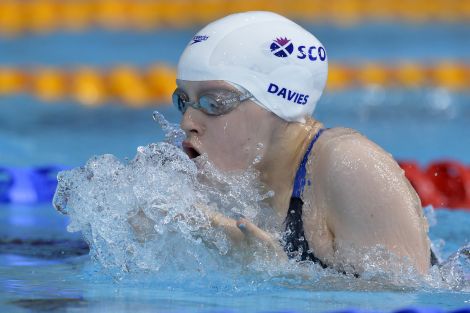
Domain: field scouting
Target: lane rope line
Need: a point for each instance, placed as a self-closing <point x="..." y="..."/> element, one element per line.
<point x="139" y="87"/>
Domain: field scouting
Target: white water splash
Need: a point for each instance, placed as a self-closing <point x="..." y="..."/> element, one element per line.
<point x="144" y="216"/>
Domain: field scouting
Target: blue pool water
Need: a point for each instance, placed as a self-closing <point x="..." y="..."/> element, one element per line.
<point x="50" y="273"/>
<point x="45" y="268"/>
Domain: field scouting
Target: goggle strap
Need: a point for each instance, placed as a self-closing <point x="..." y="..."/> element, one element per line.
<point x="245" y="96"/>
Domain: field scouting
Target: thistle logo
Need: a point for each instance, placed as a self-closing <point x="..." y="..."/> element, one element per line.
<point x="282" y="47"/>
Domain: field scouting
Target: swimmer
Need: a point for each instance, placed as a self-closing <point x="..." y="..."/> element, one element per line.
<point x="252" y="80"/>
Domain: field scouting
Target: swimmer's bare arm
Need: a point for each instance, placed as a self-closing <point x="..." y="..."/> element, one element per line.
<point x="243" y="231"/>
<point x="143" y="226"/>
<point x="238" y="231"/>
<point x="369" y="202"/>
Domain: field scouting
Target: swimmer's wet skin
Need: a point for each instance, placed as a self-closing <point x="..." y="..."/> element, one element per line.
<point x="354" y="197"/>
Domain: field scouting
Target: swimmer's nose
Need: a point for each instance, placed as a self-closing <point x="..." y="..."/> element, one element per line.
<point x="190" y="123"/>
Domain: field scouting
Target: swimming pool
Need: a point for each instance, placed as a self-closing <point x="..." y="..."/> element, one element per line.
<point x="43" y="267"/>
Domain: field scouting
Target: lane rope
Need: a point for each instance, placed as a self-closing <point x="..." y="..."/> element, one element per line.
<point x="42" y="16"/>
<point x="137" y="87"/>
<point x="442" y="184"/>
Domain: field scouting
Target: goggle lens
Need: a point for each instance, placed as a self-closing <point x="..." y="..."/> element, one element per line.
<point x="217" y="104"/>
<point x="180" y="101"/>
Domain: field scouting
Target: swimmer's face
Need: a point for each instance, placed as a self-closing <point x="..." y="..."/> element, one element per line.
<point x="231" y="141"/>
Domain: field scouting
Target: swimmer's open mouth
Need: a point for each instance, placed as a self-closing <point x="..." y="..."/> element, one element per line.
<point x="190" y="150"/>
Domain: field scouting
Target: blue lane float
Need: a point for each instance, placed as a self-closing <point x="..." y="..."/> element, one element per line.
<point x="405" y="310"/>
<point x="430" y="310"/>
<point x="409" y="310"/>
<point x="28" y="185"/>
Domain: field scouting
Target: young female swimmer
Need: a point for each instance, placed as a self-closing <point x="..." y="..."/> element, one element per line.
<point x="254" y="78"/>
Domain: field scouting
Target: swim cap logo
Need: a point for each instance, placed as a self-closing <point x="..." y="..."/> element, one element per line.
<point x="289" y="95"/>
<point x="282" y="47"/>
<point x="197" y="39"/>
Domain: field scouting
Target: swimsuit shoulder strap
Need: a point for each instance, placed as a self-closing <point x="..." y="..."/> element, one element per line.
<point x="299" y="180"/>
<point x="295" y="244"/>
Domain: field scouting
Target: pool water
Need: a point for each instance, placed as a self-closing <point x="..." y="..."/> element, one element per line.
<point x="45" y="268"/>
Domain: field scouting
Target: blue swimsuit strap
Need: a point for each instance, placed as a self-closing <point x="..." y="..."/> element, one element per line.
<point x="299" y="180"/>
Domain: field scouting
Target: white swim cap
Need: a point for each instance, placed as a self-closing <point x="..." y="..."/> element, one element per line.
<point x="284" y="66"/>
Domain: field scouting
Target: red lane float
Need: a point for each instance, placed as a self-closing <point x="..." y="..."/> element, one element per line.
<point x="443" y="184"/>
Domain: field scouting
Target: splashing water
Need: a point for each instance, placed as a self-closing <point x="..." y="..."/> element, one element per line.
<point x="150" y="215"/>
<point x="173" y="133"/>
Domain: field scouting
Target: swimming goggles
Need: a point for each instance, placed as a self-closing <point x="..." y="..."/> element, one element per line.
<point x="215" y="102"/>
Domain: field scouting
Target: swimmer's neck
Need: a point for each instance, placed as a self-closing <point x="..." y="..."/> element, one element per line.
<point x="281" y="161"/>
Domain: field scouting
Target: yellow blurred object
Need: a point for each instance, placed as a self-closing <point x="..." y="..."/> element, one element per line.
<point x="410" y="75"/>
<point x="450" y="75"/>
<point x="407" y="10"/>
<point x="448" y="10"/>
<point x="463" y="7"/>
<point x="373" y="74"/>
<point x="175" y="13"/>
<point x="42" y="15"/>
<point x="279" y="6"/>
<point x="162" y="82"/>
<point x="76" y="14"/>
<point x="12" y="17"/>
<point x="345" y="11"/>
<point x="156" y="84"/>
<point x="207" y="10"/>
<point x="112" y="14"/>
<point x="430" y="10"/>
<point x="377" y="10"/>
<point x="49" y="84"/>
<point x="88" y="87"/>
<point x="144" y="14"/>
<point x="239" y="6"/>
<point x="339" y="77"/>
<point x="11" y="81"/>
<point x="310" y="10"/>
<point x="17" y="16"/>
<point x="126" y="84"/>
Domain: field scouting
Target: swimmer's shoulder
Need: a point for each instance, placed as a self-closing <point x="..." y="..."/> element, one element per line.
<point x="342" y="147"/>
<point x="346" y="161"/>
<point x="337" y="133"/>
<point x="342" y="138"/>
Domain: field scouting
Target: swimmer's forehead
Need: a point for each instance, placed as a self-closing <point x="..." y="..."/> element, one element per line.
<point x="197" y="87"/>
